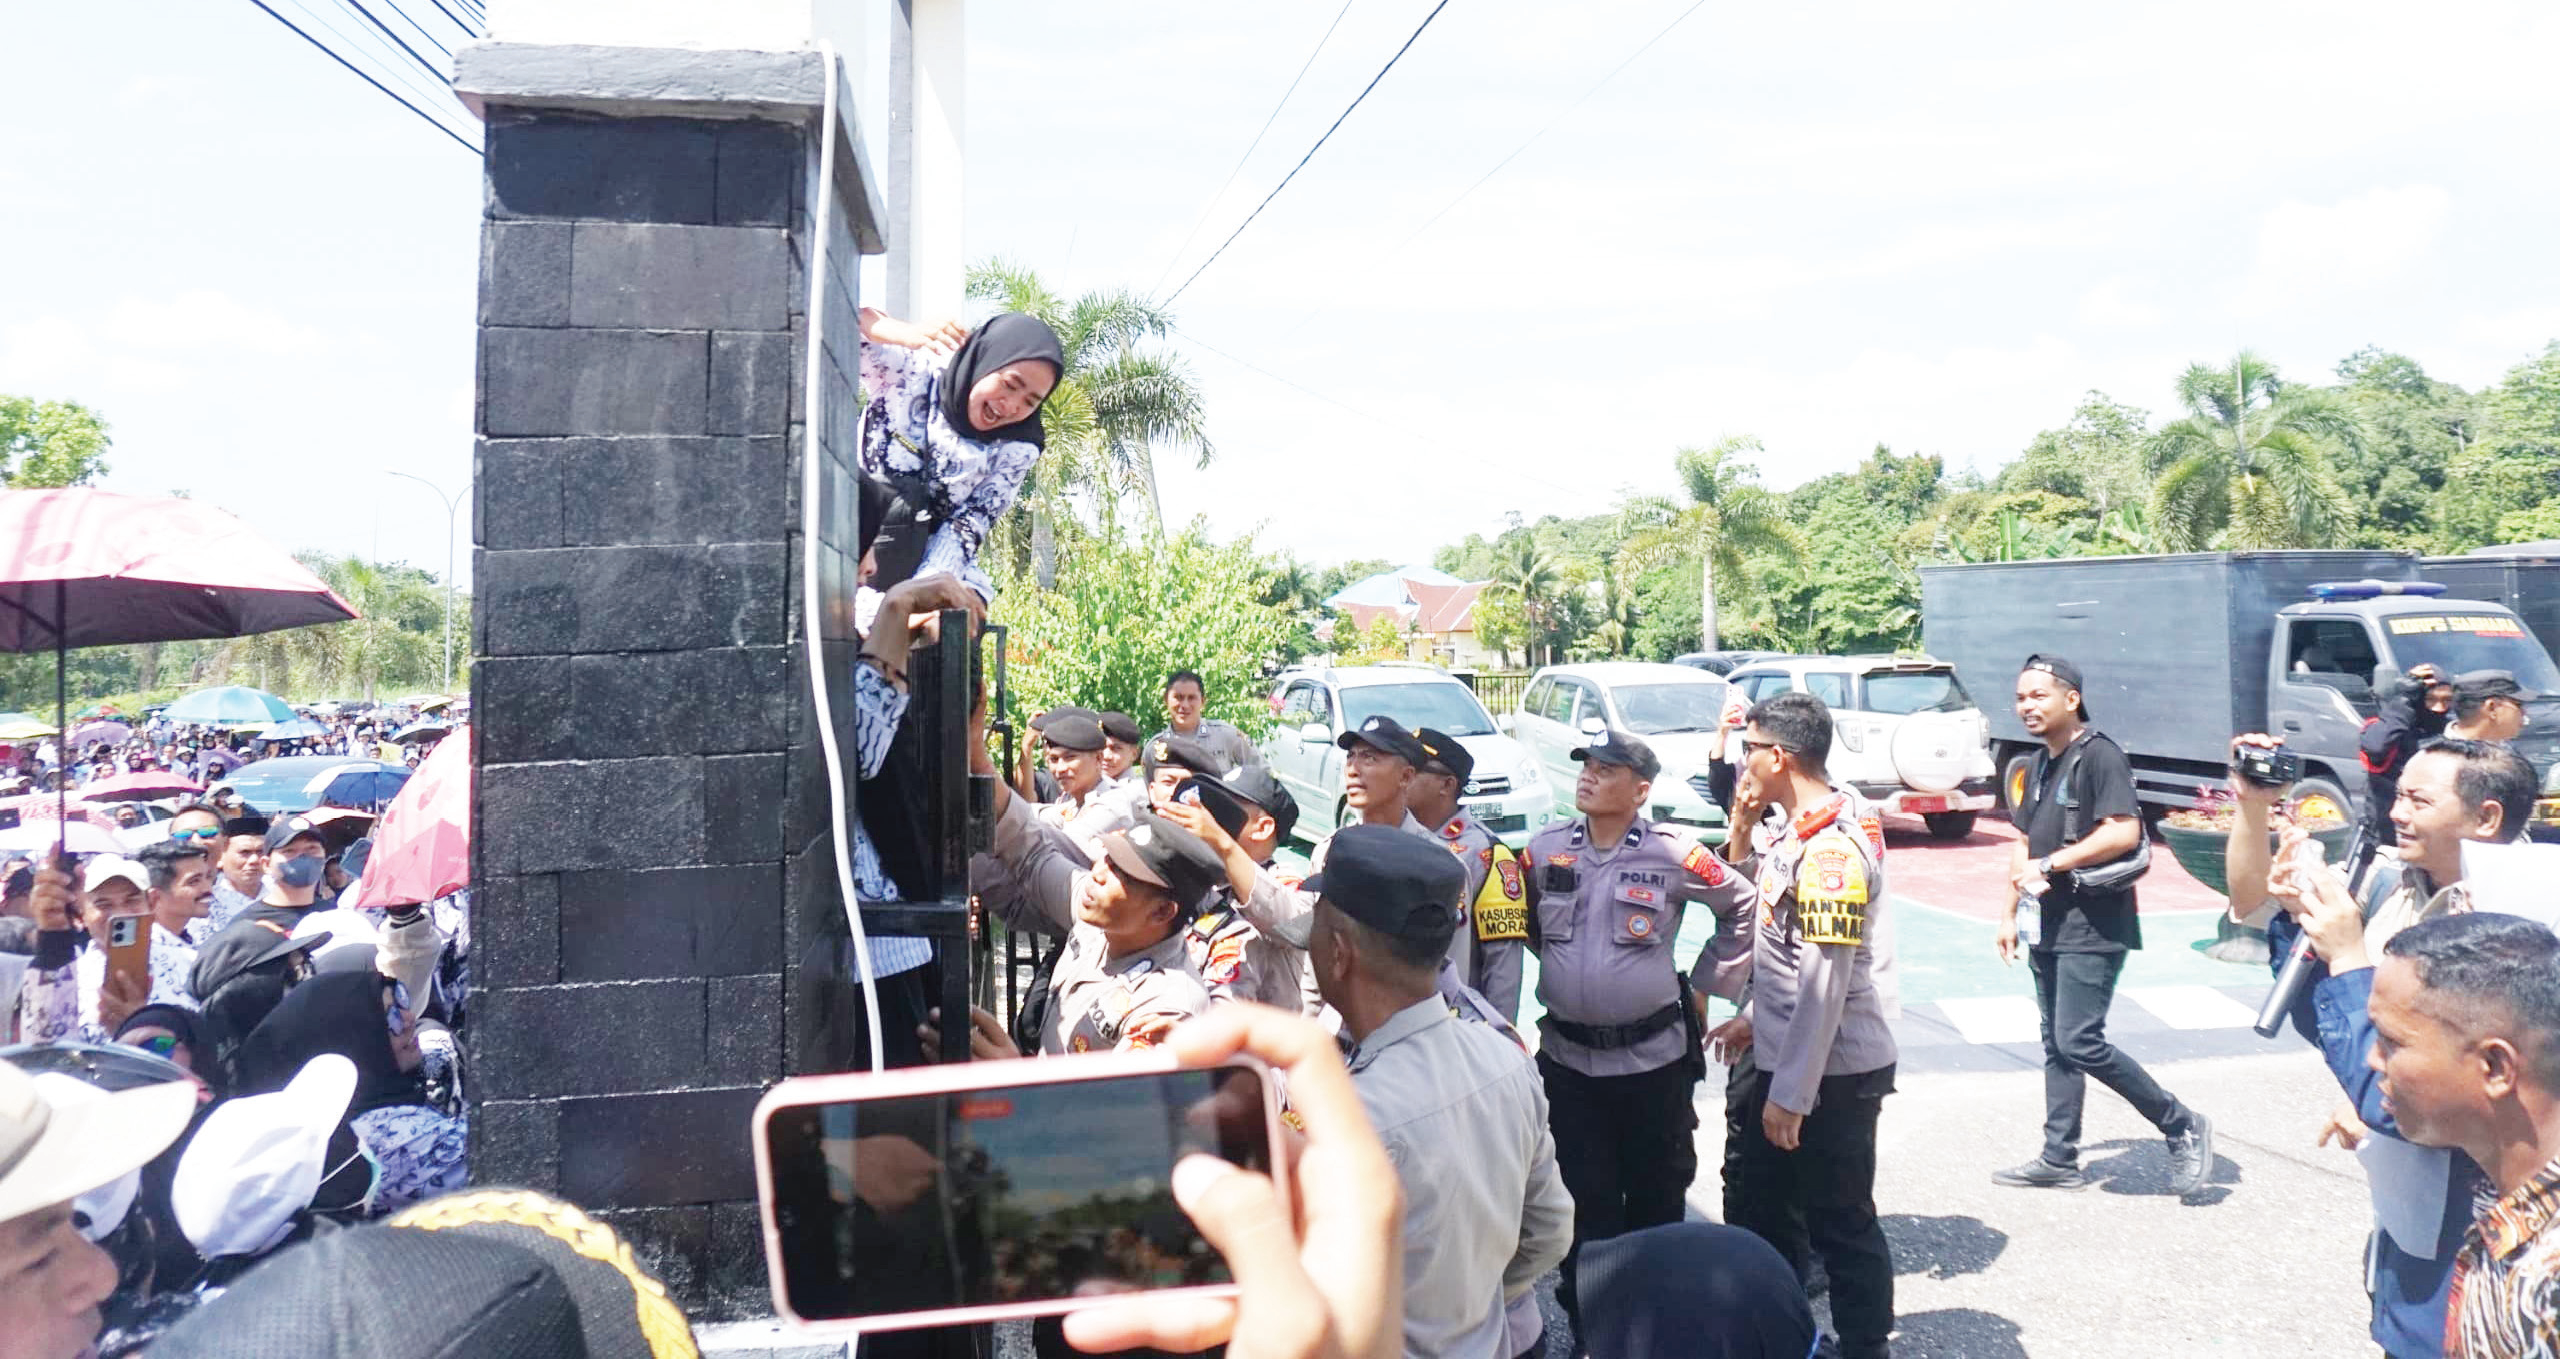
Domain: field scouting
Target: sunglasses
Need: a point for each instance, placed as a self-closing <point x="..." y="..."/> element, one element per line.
<point x="1749" y="746"/>
<point x="158" y="1044"/>
<point x="200" y="833"/>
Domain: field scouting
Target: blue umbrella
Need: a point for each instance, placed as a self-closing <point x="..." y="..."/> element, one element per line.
<point x="299" y="729"/>
<point x="231" y="705"/>
<point x="357" y="783"/>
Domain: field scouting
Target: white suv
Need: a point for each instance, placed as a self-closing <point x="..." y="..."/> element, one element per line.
<point x="1313" y="707"/>
<point x="1673" y="708"/>
<point x="1904" y="733"/>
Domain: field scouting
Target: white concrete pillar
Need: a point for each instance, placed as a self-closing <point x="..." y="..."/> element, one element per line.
<point x="928" y="97"/>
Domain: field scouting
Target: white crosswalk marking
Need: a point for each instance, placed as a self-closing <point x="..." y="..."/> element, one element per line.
<point x="2192" y="1007"/>
<point x="1994" y="1019"/>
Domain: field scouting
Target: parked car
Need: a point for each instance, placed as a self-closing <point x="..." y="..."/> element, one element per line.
<point x="282" y="785"/>
<point x="1672" y="707"/>
<point x="1314" y="706"/>
<point x="1904" y="732"/>
<point x="1723" y="662"/>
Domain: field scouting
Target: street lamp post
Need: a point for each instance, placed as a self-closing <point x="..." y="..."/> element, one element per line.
<point x="450" y="503"/>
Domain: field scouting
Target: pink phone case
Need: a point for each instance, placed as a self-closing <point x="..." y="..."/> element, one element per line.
<point x="935" y="1080"/>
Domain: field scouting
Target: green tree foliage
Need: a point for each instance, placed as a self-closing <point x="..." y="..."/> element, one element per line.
<point x="2247" y="465"/>
<point x="1727" y="518"/>
<point x="1129" y="608"/>
<point x="2098" y="458"/>
<point x="50" y="443"/>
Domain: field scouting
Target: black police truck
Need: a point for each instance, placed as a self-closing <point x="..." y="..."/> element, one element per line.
<point x="2184" y="651"/>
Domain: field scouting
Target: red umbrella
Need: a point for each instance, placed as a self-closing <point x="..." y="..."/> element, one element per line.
<point x="422" y="848"/>
<point x="82" y="567"/>
<point x="140" y="786"/>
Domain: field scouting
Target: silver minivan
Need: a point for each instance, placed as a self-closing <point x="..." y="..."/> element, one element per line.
<point x="1672" y="707"/>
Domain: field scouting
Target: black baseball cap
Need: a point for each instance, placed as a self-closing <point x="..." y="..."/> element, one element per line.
<point x="286" y="830"/>
<point x="1445" y="751"/>
<point x="2476" y="685"/>
<point x="1385" y="733"/>
<point x="1257" y="785"/>
<point x="252" y="824"/>
<point x="1617" y="747"/>
<point x="1157" y="852"/>
<point x="243" y="944"/>
<point x="1182" y="752"/>
<point x="1388" y="879"/>
<point x="1122" y="727"/>
<point x="1073" y="733"/>
<point x="2064" y="672"/>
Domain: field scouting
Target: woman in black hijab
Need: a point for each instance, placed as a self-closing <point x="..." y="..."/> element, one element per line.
<point x="366" y="1018"/>
<point x="953" y="436"/>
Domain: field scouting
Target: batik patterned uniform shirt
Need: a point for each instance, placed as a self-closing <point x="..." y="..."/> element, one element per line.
<point x="972" y="481"/>
<point x="2505" y="1302"/>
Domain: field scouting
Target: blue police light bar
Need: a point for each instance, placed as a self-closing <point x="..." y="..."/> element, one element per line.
<point x="2331" y="591"/>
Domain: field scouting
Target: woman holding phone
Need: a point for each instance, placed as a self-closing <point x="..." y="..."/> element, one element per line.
<point x="952" y="422"/>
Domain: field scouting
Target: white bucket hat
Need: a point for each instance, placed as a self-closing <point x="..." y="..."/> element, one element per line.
<point x="258" y="1159"/>
<point x="53" y="1153"/>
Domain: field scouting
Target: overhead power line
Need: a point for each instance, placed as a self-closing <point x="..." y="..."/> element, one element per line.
<point x="1207" y="207"/>
<point x="368" y="50"/>
<point x="367" y="15"/>
<point x="1311" y="152"/>
<point x="360" y="74"/>
<point x="1569" y="111"/>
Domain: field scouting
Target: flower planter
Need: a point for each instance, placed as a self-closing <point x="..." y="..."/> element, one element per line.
<point x="2203" y="853"/>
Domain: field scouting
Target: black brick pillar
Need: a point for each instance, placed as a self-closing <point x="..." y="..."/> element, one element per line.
<point x="657" y="930"/>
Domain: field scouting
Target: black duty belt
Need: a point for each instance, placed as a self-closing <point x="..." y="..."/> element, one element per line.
<point x="1618" y="1035"/>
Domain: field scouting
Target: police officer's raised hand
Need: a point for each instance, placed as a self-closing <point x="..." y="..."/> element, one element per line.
<point x="1329" y="1285"/>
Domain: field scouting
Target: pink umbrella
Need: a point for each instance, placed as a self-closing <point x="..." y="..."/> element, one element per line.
<point x="94" y="733"/>
<point x="49" y="807"/>
<point x="422" y="849"/>
<point x="79" y="837"/>
<point x="83" y="567"/>
<point x="140" y="786"/>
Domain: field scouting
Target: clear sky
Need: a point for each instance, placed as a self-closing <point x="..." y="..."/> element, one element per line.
<point x="1930" y="225"/>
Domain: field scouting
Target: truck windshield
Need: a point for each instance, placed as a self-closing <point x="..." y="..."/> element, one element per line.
<point x="1653" y="709"/>
<point x="1446" y="707"/>
<point x="1903" y="692"/>
<point x="2458" y="643"/>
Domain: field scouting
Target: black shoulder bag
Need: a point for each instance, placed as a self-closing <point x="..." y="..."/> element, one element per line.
<point x="2106" y="877"/>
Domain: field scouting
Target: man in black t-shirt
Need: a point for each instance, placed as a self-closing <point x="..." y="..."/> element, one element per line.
<point x="2080" y="813"/>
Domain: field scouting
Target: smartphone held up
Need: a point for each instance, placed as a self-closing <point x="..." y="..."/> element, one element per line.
<point x="954" y="1195"/>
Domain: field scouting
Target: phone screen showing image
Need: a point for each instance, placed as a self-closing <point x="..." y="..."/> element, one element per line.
<point x="1003" y="1196"/>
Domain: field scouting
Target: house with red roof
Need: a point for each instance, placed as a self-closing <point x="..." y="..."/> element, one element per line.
<point x="1435" y="610"/>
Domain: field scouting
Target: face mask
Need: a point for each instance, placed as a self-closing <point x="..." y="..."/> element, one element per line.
<point x="300" y="873"/>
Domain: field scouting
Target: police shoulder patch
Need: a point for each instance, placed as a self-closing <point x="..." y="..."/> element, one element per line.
<point x="1706" y="864"/>
<point x="1831" y="893"/>
<point x="1501" y="909"/>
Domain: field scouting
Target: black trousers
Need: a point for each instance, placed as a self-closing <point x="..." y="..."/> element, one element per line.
<point x="1821" y="1197"/>
<point x="2073" y="992"/>
<point x="1626" y="1147"/>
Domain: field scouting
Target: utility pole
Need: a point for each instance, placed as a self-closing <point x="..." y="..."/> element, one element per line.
<point x="450" y="503"/>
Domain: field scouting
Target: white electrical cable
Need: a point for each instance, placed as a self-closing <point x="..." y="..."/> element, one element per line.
<point x="812" y="465"/>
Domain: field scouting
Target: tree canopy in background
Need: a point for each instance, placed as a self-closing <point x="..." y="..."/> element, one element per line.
<point x="2385" y="456"/>
<point x="50" y="443"/>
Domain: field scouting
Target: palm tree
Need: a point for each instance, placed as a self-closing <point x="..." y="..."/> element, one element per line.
<point x="1531" y="575"/>
<point x="1118" y="402"/>
<point x="2245" y="469"/>
<point x="1729" y="516"/>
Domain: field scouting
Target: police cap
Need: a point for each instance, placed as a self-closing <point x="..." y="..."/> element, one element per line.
<point x="1121" y="727"/>
<point x="1388" y="879"/>
<point x="2474" y="685"/>
<point x="1161" y="854"/>
<point x="1256" y="785"/>
<point x="1444" y="751"/>
<point x="1385" y="733"/>
<point x="1617" y="747"/>
<point x="1041" y="723"/>
<point x="1073" y="733"/>
<point x="1183" y="752"/>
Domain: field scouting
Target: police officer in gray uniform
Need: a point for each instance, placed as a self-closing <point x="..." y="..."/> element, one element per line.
<point x="1184" y="698"/>
<point x="1620" y="1046"/>
<point x="1493" y="917"/>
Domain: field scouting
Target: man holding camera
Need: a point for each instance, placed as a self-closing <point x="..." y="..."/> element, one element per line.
<point x="2450" y="793"/>
<point x="2081" y="819"/>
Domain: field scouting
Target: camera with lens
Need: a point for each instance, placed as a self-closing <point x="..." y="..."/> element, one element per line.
<point x="2267" y="768"/>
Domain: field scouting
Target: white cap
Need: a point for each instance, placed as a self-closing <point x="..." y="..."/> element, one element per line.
<point x="339" y="926"/>
<point x="105" y="866"/>
<point x="53" y="1153"/>
<point x="101" y="1209"/>
<point x="256" y="1161"/>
